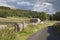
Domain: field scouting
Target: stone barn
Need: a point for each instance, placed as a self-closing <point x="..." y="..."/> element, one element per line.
<point x="35" y="21"/>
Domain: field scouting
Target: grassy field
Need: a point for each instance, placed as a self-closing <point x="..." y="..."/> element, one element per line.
<point x="14" y="19"/>
<point x="29" y="30"/>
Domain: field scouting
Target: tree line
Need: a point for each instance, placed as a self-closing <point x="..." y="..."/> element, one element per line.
<point x="55" y="16"/>
<point x="7" y="12"/>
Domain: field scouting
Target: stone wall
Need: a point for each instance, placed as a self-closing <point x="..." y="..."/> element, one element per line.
<point x="19" y="26"/>
<point x="3" y="26"/>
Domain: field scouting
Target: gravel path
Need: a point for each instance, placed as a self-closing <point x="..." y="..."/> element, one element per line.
<point x="45" y="34"/>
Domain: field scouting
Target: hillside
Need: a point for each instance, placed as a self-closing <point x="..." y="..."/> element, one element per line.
<point x="8" y="12"/>
<point x="13" y="12"/>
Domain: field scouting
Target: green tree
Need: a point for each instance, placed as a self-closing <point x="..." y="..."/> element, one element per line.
<point x="57" y="15"/>
<point x="3" y="14"/>
<point x="43" y="16"/>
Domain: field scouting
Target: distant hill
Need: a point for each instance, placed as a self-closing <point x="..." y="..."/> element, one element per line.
<point x="9" y="8"/>
<point x="12" y="12"/>
<point x="8" y="12"/>
<point x="2" y="7"/>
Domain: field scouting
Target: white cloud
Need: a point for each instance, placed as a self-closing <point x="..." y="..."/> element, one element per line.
<point x="12" y="0"/>
<point x="4" y="3"/>
<point x="26" y="3"/>
<point x="46" y="3"/>
<point x="46" y="7"/>
<point x="36" y="5"/>
<point x="8" y="0"/>
<point x="1" y="4"/>
<point x="41" y="6"/>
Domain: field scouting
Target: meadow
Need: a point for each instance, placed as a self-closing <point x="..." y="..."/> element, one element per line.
<point x="7" y="34"/>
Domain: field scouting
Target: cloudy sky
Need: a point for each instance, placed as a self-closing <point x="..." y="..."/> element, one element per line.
<point x="49" y="6"/>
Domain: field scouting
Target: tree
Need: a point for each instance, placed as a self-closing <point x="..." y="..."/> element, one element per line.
<point x="57" y="15"/>
<point x="3" y="14"/>
<point x="43" y="16"/>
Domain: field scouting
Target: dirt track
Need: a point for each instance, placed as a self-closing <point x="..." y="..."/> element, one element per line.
<point x="45" y="34"/>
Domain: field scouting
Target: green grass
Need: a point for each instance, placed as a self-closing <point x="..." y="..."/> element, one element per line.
<point x="29" y="30"/>
<point x="8" y="35"/>
<point x="14" y="19"/>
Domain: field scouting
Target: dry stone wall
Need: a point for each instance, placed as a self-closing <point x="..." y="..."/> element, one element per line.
<point x="20" y="25"/>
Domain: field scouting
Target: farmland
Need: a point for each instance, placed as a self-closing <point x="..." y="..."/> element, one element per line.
<point x="30" y="29"/>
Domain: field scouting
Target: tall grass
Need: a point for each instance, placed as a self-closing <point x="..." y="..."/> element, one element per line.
<point x="8" y="35"/>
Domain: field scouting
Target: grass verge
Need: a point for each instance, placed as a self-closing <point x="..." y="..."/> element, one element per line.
<point x="30" y="29"/>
